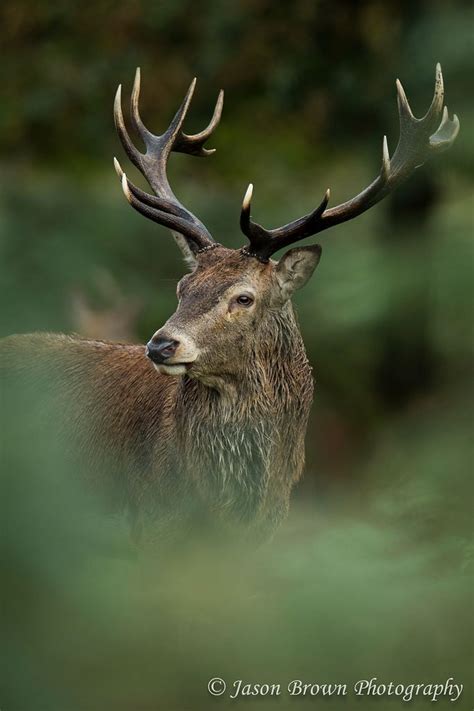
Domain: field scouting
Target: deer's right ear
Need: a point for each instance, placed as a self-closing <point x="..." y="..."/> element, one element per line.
<point x="295" y="268"/>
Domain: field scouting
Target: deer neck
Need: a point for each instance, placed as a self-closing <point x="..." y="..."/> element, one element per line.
<point x="245" y="431"/>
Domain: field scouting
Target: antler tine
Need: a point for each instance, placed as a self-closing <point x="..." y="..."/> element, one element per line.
<point x="193" y="144"/>
<point x="152" y="200"/>
<point x="446" y="133"/>
<point x="245" y="224"/>
<point x="432" y="117"/>
<point x="196" y="240"/>
<point x="404" y="111"/>
<point x="417" y="141"/>
<point x="257" y="235"/>
<point x="132" y="152"/>
<point x="171" y="135"/>
<point x="137" y="122"/>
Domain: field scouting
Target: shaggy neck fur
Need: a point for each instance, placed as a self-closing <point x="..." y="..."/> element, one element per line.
<point x="237" y="427"/>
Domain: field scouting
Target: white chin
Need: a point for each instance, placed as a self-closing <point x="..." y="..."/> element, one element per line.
<point x="170" y="369"/>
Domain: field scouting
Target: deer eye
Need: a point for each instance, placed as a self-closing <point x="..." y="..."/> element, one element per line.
<point x="244" y="300"/>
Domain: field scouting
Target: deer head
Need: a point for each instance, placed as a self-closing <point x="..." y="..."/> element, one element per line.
<point x="230" y="296"/>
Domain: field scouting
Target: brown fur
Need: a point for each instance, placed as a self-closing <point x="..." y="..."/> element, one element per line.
<point x="222" y="445"/>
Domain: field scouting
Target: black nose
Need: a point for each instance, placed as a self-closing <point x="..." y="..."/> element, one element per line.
<point x="160" y="349"/>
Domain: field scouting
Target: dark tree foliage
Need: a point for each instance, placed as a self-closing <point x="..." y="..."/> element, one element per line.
<point x="369" y="575"/>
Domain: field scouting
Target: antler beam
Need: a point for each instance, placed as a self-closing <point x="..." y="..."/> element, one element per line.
<point x="418" y="140"/>
<point x="164" y="208"/>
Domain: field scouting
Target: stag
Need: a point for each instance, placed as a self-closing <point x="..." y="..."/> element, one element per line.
<point x="206" y="424"/>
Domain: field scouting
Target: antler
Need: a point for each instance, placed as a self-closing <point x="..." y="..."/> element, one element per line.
<point x="164" y="208"/>
<point x="419" y="138"/>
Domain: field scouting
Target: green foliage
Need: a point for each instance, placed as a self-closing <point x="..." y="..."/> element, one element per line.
<point x="370" y="575"/>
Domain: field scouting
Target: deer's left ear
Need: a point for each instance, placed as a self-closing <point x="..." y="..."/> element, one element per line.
<point x="295" y="268"/>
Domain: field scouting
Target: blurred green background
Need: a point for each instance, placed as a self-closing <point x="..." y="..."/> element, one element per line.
<point x="370" y="575"/>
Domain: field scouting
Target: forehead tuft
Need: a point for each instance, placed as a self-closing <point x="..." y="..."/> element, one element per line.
<point x="218" y="270"/>
<point x="225" y="264"/>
